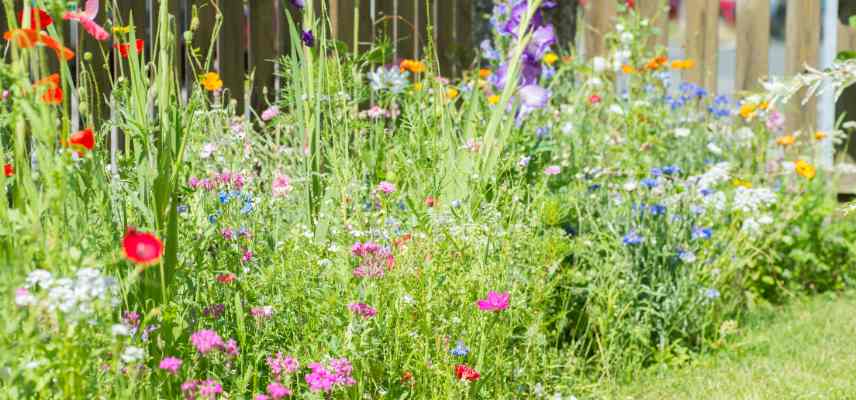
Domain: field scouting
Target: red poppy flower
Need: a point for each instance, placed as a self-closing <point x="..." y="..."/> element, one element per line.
<point x="594" y="99"/>
<point x="38" y="18"/>
<point x="124" y="47"/>
<point x="53" y="94"/>
<point x="631" y="3"/>
<point x="430" y="201"/>
<point x="407" y="377"/>
<point x="84" y="139"/>
<point x="462" y="371"/>
<point x="226" y="278"/>
<point x="141" y="247"/>
<point x="29" y="38"/>
<point x="8" y="170"/>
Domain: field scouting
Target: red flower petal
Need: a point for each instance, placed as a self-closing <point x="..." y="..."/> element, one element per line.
<point x="84" y="139"/>
<point x="141" y="247"/>
<point x="38" y="18"/>
<point x="8" y="170"/>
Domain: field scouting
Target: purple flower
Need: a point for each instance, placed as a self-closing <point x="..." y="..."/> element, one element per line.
<point x="280" y="364"/>
<point x="494" y="301"/>
<point x="308" y="38"/>
<point x="298" y="3"/>
<point x="488" y="52"/>
<point x="270" y="113"/>
<point x="542" y="39"/>
<point x="632" y="238"/>
<point x="364" y="310"/>
<point x="277" y="391"/>
<point x="533" y="97"/>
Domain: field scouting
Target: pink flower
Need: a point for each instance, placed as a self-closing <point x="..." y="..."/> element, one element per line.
<point x="325" y="379"/>
<point x="376" y="260"/>
<point x="203" y="390"/>
<point x="248" y="256"/>
<point x="375" y="112"/>
<point x="261" y="397"/>
<point x="552" y="170"/>
<point x="277" y="391"/>
<point x="494" y="301"/>
<point x="262" y="312"/>
<point x="364" y="310"/>
<point x="279" y="365"/>
<point x="270" y="113"/>
<point x="227" y="233"/>
<point x="206" y="340"/>
<point x="231" y="348"/>
<point x="775" y="121"/>
<point x="386" y="187"/>
<point x="170" y="364"/>
<point x="281" y="186"/>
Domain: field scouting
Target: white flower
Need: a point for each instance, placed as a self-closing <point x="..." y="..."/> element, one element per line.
<point x="133" y="354"/>
<point x="407" y="299"/>
<point x="616" y="109"/>
<point x="595" y="82"/>
<point x="599" y="64"/>
<point x="24" y="298"/>
<point x="626" y="38"/>
<point x="39" y="279"/>
<point x="120" y="330"/>
<point x="750" y="200"/>
<point x="568" y="128"/>
<point x="713" y="148"/>
<point x="630" y="186"/>
<point x="682" y="132"/>
<point x="207" y="150"/>
<point x="751" y="227"/>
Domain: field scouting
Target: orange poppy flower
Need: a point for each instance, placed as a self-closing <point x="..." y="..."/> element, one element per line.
<point x="485" y="73"/>
<point x="786" y="140"/>
<point x="38" y="17"/>
<point x="414" y="66"/>
<point x="124" y="47"/>
<point x="84" y="139"/>
<point x="29" y="38"/>
<point x="628" y="69"/>
<point x="53" y="93"/>
<point x="142" y="248"/>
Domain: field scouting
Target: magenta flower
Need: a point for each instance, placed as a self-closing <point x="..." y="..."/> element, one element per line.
<point x="325" y="379"/>
<point x="231" y="348"/>
<point x="270" y="113"/>
<point x="279" y="364"/>
<point x="261" y="397"/>
<point x="386" y="187"/>
<point x="277" y="391"/>
<point x="281" y="186"/>
<point x="364" y="310"/>
<point x="494" y="301"/>
<point x="206" y="340"/>
<point x="170" y="364"/>
<point x="202" y="390"/>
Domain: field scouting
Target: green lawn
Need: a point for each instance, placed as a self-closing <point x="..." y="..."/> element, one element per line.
<point x="805" y="351"/>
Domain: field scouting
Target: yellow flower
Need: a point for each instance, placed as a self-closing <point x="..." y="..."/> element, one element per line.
<point x="417" y="87"/>
<point x="414" y="66"/>
<point x="805" y="169"/>
<point x="747" y="110"/>
<point x="452" y="93"/>
<point x="493" y="100"/>
<point x="819" y="135"/>
<point x="211" y="81"/>
<point x="764" y="105"/>
<point x="786" y="140"/>
<point x="485" y="73"/>
<point x="122" y="29"/>
<point x="551" y="58"/>
<point x="737" y="182"/>
<point x="628" y="69"/>
<point x="683" y="64"/>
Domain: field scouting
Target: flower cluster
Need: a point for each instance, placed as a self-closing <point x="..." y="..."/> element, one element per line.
<point x="76" y="298"/>
<point x="327" y="378"/>
<point x="375" y="260"/>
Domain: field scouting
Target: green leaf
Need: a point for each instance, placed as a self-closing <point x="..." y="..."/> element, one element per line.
<point x="845" y="55"/>
<point x="852" y="21"/>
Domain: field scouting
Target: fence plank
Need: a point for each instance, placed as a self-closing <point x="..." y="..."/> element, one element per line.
<point x="342" y="16"/>
<point x="753" y="43"/>
<point x="701" y="41"/>
<point x="411" y="28"/>
<point x="264" y="51"/>
<point x="206" y="13"/>
<point x="599" y="20"/>
<point x="232" y="54"/>
<point x="464" y="46"/>
<point x="802" y="35"/>
<point x="846" y="38"/>
<point x="98" y="67"/>
<point x="656" y="12"/>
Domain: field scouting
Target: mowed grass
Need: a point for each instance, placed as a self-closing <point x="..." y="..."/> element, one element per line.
<point x="804" y="351"/>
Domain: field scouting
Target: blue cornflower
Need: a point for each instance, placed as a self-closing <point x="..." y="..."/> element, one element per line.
<point x="721" y="100"/>
<point x="542" y="132"/>
<point x="182" y="208"/>
<point x="700" y="92"/>
<point x="460" y="350"/>
<point x="657" y="209"/>
<point x="686" y="256"/>
<point x="702" y="233"/>
<point x="711" y="293"/>
<point x="671" y="170"/>
<point x="656" y="172"/>
<point x="224" y="197"/>
<point x="632" y="238"/>
<point x="593" y="187"/>
<point x="248" y="206"/>
<point x="649" y="183"/>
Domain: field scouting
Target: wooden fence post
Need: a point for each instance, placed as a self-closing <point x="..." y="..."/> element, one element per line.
<point x="599" y="20"/>
<point x="701" y="41"/>
<point x="264" y="51"/>
<point x="802" y="48"/>
<point x="656" y="12"/>
<point x="232" y="52"/>
<point x="753" y="43"/>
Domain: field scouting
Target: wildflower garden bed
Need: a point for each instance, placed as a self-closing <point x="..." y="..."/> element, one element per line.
<point x="543" y="225"/>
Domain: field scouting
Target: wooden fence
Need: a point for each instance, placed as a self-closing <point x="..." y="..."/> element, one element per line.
<point x="254" y="33"/>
